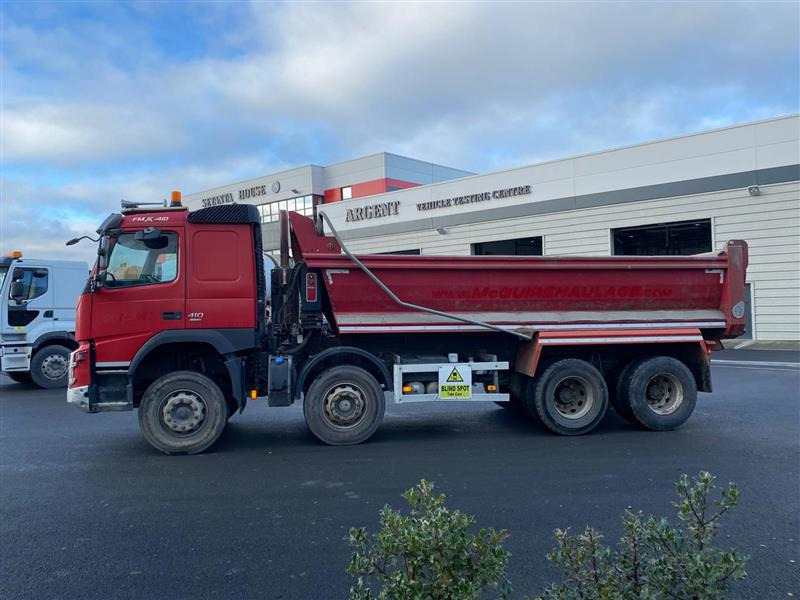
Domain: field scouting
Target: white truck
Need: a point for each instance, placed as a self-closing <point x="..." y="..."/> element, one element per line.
<point x="37" y="317"/>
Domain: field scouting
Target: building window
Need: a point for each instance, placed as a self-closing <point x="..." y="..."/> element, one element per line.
<point x="415" y="251"/>
<point x="303" y="205"/>
<point x="531" y="246"/>
<point x="677" y="238"/>
<point x="347" y="193"/>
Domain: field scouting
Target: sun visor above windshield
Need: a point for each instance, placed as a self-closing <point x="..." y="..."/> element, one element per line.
<point x="226" y="213"/>
<point x="110" y="222"/>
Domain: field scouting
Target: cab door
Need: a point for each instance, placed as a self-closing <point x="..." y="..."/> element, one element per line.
<point x="31" y="311"/>
<point x="143" y="294"/>
<point x="28" y="314"/>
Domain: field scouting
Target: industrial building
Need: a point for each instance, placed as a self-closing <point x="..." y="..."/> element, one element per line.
<point x="683" y="195"/>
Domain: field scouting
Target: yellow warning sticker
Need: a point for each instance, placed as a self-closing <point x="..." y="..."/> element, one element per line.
<point x="455" y="382"/>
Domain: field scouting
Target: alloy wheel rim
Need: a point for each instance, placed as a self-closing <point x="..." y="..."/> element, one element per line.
<point x="344" y="405"/>
<point x="664" y="394"/>
<point x="54" y="366"/>
<point x="183" y="412"/>
<point x="574" y="397"/>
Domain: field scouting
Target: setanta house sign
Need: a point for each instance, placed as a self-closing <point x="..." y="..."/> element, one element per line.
<point x="243" y="194"/>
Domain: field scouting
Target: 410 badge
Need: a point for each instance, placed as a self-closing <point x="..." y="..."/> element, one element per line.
<point x="455" y="382"/>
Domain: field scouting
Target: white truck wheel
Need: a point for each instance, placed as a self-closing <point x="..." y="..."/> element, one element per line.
<point x="50" y="366"/>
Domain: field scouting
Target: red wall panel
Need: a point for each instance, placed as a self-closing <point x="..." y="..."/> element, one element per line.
<point x="368" y="188"/>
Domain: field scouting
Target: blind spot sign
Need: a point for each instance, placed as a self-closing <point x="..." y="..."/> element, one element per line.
<point x="455" y="382"/>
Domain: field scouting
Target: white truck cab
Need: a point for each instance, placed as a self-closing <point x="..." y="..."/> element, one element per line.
<point x="37" y="317"/>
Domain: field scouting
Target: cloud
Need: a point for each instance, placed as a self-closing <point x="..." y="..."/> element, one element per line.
<point x="38" y="217"/>
<point x="130" y="100"/>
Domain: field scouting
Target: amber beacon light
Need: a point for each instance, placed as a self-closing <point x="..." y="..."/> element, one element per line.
<point x="175" y="200"/>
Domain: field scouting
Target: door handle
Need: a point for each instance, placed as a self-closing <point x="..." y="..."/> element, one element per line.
<point x="171" y="315"/>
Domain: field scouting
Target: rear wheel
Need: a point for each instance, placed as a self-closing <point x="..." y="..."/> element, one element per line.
<point x="344" y="406"/>
<point x="20" y="378"/>
<point x="182" y="413"/>
<point x="570" y="397"/>
<point x="661" y="392"/>
<point x="49" y="367"/>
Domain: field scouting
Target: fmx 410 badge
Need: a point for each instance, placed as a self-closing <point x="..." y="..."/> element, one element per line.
<point x="455" y="382"/>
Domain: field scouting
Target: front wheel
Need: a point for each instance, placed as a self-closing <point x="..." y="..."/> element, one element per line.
<point x="570" y="397"/>
<point x="49" y="367"/>
<point x="344" y="406"/>
<point x="660" y="392"/>
<point x="182" y="413"/>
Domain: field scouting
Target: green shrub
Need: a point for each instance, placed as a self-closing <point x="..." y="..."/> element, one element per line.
<point x="429" y="554"/>
<point x="653" y="559"/>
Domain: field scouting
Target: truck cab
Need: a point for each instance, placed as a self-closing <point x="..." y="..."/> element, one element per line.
<point x="171" y="291"/>
<point x="37" y="317"/>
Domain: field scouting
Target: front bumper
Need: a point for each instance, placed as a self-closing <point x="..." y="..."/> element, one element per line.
<point x="15" y="358"/>
<point x="79" y="397"/>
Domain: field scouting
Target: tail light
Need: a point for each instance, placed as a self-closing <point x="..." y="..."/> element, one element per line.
<point x="311" y="287"/>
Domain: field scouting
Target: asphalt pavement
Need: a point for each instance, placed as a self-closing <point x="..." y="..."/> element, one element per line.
<point x="89" y="510"/>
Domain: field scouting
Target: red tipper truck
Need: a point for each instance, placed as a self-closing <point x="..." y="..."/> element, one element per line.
<point x="181" y="320"/>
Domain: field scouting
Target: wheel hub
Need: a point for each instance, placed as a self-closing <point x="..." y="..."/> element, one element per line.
<point x="54" y="366"/>
<point x="573" y="398"/>
<point x="664" y="394"/>
<point x="184" y="412"/>
<point x="344" y="405"/>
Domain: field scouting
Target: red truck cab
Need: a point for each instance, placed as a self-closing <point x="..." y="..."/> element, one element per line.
<point x="170" y="292"/>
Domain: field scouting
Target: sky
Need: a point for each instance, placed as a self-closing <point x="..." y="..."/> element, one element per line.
<point x="102" y="101"/>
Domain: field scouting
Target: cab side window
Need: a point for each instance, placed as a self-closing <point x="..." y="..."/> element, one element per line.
<point x="31" y="283"/>
<point x="143" y="262"/>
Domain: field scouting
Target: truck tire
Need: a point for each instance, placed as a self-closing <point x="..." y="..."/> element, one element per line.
<point x="21" y="377"/>
<point x="182" y="413"/>
<point x="344" y="406"/>
<point x="50" y="366"/>
<point x="570" y="397"/>
<point x="661" y="392"/>
<point x="619" y="400"/>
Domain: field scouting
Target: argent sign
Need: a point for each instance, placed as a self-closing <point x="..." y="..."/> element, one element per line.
<point x="373" y="211"/>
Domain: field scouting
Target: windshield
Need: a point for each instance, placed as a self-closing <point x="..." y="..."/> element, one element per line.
<point x="138" y="262"/>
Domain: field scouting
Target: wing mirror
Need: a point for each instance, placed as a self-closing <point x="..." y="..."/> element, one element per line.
<point x="17" y="291"/>
<point x="100" y="279"/>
